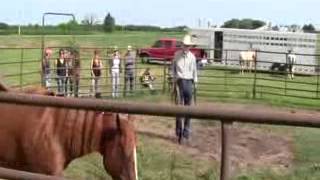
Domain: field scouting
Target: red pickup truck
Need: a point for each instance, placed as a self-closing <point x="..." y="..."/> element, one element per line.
<point x="164" y="49"/>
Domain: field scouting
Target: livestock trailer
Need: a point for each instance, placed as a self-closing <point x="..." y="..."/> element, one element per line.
<point x="224" y="45"/>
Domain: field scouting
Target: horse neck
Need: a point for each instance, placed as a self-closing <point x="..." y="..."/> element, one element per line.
<point x="82" y="133"/>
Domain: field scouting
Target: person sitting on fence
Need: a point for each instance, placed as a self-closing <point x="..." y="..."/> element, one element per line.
<point x="147" y="79"/>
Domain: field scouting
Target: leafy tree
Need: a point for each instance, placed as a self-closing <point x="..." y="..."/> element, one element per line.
<point x="308" y="28"/>
<point x="233" y="23"/>
<point x="3" y="25"/>
<point x="109" y="23"/>
<point x="243" y="24"/>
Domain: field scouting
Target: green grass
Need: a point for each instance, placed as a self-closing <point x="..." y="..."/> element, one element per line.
<point x="154" y="163"/>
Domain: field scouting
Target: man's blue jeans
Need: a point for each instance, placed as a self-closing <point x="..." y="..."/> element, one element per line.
<point x="185" y="98"/>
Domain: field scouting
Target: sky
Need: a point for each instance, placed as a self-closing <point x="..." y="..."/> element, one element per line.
<point x="164" y="13"/>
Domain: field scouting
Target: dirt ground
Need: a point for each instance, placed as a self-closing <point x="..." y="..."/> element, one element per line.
<point x="251" y="146"/>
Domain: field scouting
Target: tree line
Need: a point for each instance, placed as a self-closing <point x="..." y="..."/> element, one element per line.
<point x="254" y="24"/>
<point x="90" y="24"/>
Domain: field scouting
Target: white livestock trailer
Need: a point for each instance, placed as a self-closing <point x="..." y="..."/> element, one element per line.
<point x="225" y="45"/>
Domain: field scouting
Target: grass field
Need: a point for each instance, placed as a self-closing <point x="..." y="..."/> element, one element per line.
<point x="161" y="162"/>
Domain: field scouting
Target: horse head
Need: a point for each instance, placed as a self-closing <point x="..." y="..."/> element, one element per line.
<point x="119" y="148"/>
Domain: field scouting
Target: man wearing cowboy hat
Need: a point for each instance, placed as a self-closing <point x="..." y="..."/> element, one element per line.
<point x="184" y="68"/>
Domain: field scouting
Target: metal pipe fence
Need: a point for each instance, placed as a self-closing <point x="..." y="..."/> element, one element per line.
<point x="232" y="113"/>
<point x="211" y="77"/>
<point x="26" y="71"/>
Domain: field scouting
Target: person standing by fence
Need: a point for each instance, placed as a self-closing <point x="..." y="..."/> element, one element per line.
<point x="96" y="72"/>
<point x="69" y="61"/>
<point x="46" y="68"/>
<point x="129" y="69"/>
<point x="61" y="72"/>
<point x="184" y="68"/>
<point x="115" y="70"/>
<point x="75" y="55"/>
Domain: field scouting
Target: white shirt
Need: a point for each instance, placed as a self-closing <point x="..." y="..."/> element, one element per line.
<point x="185" y="66"/>
<point x="291" y="58"/>
<point x="115" y="64"/>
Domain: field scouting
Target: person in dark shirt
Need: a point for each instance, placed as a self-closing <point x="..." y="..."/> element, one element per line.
<point x="129" y="69"/>
<point x="61" y="72"/>
<point x="96" y="72"/>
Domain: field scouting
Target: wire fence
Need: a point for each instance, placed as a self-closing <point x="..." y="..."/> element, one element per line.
<point x="226" y="115"/>
<point x="21" y="67"/>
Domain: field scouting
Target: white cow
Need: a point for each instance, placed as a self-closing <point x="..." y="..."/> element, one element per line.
<point x="291" y="60"/>
<point x="247" y="60"/>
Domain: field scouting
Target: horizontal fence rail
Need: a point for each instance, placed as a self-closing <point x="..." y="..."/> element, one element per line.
<point x="18" y="175"/>
<point x="227" y="115"/>
<point x="256" y="84"/>
<point x="249" y="114"/>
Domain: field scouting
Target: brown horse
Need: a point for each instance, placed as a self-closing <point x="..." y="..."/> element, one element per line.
<point x="46" y="139"/>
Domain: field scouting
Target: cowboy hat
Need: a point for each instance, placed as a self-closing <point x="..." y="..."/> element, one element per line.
<point x="187" y="40"/>
<point x="115" y="48"/>
<point x="129" y="48"/>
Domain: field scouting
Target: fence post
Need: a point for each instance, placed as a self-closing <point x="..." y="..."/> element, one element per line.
<point x="226" y="59"/>
<point x="225" y="73"/>
<point x="108" y="77"/>
<point x="255" y="76"/>
<point x="286" y="76"/>
<point x="125" y="79"/>
<point x="318" y="74"/>
<point x="164" y="75"/>
<point x="136" y="69"/>
<point x="21" y="68"/>
<point x="225" y="151"/>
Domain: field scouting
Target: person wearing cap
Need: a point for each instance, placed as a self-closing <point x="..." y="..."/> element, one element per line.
<point x="115" y="70"/>
<point x="184" y="71"/>
<point x="46" y="67"/>
<point x="129" y="69"/>
<point x="96" y="72"/>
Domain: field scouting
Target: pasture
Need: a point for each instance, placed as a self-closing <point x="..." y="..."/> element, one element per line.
<point x="158" y="155"/>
